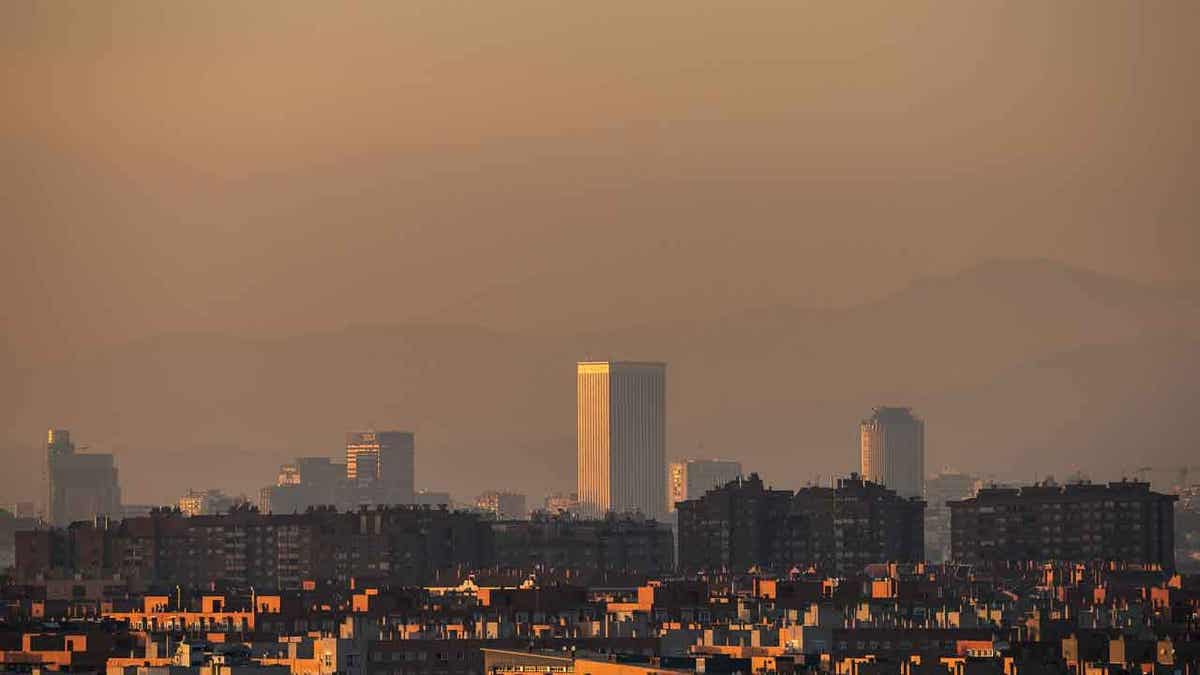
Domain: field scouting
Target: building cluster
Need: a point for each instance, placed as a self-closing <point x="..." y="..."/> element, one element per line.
<point x="343" y="567"/>
<point x="1124" y="520"/>
<point x="744" y="525"/>
<point x="207" y="503"/>
<point x="404" y="544"/>
<point x="886" y="619"/>
<point x="502" y="505"/>
<point x="379" y="469"/>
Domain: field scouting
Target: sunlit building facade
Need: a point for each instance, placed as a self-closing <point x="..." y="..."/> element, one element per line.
<point x="892" y="443"/>
<point x="621" y="437"/>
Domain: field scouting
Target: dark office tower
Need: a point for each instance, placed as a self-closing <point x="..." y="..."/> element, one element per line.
<point x="384" y="463"/>
<point x="305" y="483"/>
<point x="58" y="444"/>
<point x="621" y="438"/>
<point x="691" y="478"/>
<point x="78" y="486"/>
<point x="1123" y="522"/>
<point x="319" y="472"/>
<point x="944" y="487"/>
<point x="892" y="442"/>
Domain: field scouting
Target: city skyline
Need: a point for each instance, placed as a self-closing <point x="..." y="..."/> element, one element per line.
<point x="803" y="209"/>
<point x="535" y="425"/>
<point x="873" y="437"/>
<point x="685" y="302"/>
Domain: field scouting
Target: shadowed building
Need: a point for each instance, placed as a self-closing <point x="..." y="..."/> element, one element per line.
<point x="304" y="483"/>
<point x="691" y="478"/>
<point x="893" y="450"/>
<point x="503" y="505"/>
<point x="434" y="498"/>
<point x="840" y="530"/>
<point x="79" y="486"/>
<point x="612" y="544"/>
<point x="1121" y="521"/>
<point x="621" y="434"/>
<point x="383" y="461"/>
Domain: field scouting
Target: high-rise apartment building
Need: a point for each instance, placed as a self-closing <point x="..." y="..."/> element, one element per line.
<point x="79" y="486"/>
<point x="385" y="462"/>
<point x="691" y="478"/>
<point x="1122" y="521"/>
<point x="746" y="524"/>
<point x="621" y="437"/>
<point x="627" y="544"/>
<point x="892" y="441"/>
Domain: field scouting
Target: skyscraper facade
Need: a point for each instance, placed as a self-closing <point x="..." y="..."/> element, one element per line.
<point x="78" y="486"/>
<point x="621" y="437"/>
<point x="892" y="442"/>
<point x="384" y="461"/>
<point x="691" y="478"/>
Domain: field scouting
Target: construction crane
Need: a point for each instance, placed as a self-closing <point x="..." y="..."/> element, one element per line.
<point x="1181" y="473"/>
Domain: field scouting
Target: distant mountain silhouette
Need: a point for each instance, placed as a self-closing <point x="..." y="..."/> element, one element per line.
<point x="1017" y="366"/>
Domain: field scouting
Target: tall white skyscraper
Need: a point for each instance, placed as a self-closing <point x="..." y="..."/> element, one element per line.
<point x="621" y="437"/>
<point x="893" y="450"/>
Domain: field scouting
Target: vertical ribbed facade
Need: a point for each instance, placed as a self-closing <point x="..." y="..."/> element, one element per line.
<point x="592" y="438"/>
<point x="892" y="443"/>
<point x="621" y="437"/>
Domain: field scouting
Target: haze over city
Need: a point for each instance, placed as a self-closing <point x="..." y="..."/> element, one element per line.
<point x="517" y="337"/>
<point x="234" y="232"/>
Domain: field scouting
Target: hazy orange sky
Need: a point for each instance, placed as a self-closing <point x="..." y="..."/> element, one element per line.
<point x="277" y="167"/>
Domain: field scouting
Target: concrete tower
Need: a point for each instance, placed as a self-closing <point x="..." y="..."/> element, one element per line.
<point x="892" y="442"/>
